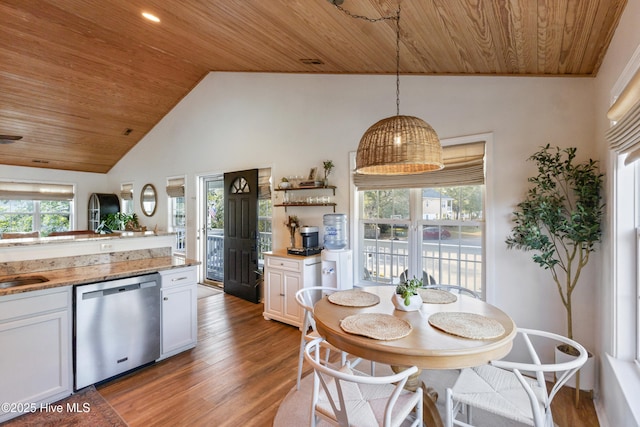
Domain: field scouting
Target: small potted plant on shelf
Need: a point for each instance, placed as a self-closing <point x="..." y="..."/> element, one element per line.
<point x="284" y="184"/>
<point x="406" y="297"/>
<point x="328" y="167"/>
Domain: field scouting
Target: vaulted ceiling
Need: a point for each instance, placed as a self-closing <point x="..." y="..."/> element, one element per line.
<point x="82" y="81"/>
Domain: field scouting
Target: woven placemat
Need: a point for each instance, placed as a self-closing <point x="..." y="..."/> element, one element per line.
<point x="376" y="325"/>
<point x="437" y="296"/>
<point x="354" y="298"/>
<point x="467" y="325"/>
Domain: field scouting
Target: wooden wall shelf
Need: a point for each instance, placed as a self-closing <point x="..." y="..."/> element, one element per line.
<point x="306" y="204"/>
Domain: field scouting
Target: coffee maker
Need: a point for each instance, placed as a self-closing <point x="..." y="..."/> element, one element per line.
<point x="310" y="245"/>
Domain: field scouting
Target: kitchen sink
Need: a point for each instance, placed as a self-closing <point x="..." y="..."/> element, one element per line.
<point x="21" y="281"/>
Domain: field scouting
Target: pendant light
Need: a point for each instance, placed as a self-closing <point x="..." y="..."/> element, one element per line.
<point x="397" y="145"/>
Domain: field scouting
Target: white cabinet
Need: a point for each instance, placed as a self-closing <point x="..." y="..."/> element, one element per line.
<point x="35" y="349"/>
<point x="284" y="275"/>
<point x="179" y="293"/>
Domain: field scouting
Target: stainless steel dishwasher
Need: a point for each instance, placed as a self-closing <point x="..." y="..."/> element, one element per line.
<point x="117" y="327"/>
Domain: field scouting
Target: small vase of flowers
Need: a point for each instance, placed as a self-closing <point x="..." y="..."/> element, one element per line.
<point x="292" y="223"/>
<point x="406" y="297"/>
<point x="328" y="167"/>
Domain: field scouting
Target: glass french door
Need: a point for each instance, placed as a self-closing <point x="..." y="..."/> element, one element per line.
<point x="213" y="229"/>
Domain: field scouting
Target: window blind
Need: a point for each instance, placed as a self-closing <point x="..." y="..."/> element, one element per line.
<point x="35" y="191"/>
<point x="624" y="136"/>
<point x="126" y="191"/>
<point x="264" y="183"/>
<point x="175" y="187"/>
<point x="463" y="165"/>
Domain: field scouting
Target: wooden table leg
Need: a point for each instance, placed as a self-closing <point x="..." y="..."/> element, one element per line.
<point x="430" y="415"/>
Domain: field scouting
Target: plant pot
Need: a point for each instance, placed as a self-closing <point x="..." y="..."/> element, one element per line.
<point x="587" y="373"/>
<point x="415" y="303"/>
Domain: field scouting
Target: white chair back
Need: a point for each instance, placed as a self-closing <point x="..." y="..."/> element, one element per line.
<point x="496" y="377"/>
<point x="349" y="405"/>
<point x="306" y="298"/>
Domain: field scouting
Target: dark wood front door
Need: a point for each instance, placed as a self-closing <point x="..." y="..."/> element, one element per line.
<point x="240" y="234"/>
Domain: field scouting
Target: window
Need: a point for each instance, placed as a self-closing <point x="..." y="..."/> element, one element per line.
<point x="624" y="143"/>
<point x="442" y="245"/>
<point x="42" y="207"/>
<point x="126" y="198"/>
<point x="265" y="213"/>
<point x="637" y="261"/>
<point x="177" y="213"/>
<point x="264" y="228"/>
<point x="430" y="226"/>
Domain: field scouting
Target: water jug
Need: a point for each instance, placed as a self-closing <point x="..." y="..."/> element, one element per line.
<point x="335" y="231"/>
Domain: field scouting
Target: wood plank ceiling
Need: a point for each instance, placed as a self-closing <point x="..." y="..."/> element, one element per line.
<point x="75" y="75"/>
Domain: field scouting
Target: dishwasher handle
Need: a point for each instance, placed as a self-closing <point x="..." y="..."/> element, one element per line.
<point x="111" y="291"/>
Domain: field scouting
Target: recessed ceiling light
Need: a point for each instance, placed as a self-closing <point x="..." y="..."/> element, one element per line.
<point x="151" y="17"/>
<point x="9" y="139"/>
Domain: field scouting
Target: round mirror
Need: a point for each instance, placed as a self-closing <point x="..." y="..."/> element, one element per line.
<point x="148" y="200"/>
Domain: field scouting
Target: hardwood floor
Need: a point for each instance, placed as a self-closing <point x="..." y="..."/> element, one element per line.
<point x="238" y="374"/>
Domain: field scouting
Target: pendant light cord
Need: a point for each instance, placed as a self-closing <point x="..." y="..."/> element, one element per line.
<point x="396" y="18"/>
<point x="398" y="61"/>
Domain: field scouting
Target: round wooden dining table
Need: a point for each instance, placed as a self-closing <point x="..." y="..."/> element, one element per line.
<point x="425" y="346"/>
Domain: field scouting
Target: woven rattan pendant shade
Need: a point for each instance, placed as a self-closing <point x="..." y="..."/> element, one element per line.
<point x="399" y="145"/>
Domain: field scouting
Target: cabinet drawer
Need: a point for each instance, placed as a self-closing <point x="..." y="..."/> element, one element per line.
<point x="283" y="263"/>
<point x="29" y="303"/>
<point x="178" y="277"/>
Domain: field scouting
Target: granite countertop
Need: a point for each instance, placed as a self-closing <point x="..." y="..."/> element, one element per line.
<point x="29" y="241"/>
<point x="97" y="273"/>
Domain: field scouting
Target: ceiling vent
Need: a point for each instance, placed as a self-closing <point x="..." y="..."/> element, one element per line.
<point x="9" y="139"/>
<point x="312" y="61"/>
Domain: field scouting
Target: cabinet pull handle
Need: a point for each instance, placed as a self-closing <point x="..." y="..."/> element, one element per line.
<point x="166" y="298"/>
<point x="179" y="278"/>
<point x="281" y="295"/>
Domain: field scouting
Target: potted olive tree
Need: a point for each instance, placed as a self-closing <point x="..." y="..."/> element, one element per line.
<point x="560" y="220"/>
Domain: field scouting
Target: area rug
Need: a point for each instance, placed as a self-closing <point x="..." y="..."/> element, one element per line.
<point x="295" y="409"/>
<point x="205" y="291"/>
<point x="84" y="408"/>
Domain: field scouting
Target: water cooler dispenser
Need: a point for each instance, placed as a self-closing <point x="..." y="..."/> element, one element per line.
<point x="337" y="260"/>
<point x="337" y="268"/>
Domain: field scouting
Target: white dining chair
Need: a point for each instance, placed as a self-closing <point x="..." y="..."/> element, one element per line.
<point x="306" y="298"/>
<point x="426" y="278"/>
<point x="350" y="399"/>
<point x="456" y="289"/>
<point x="503" y="387"/>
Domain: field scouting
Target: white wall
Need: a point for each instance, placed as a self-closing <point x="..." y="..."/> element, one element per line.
<point x="85" y="184"/>
<point x="235" y="121"/>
